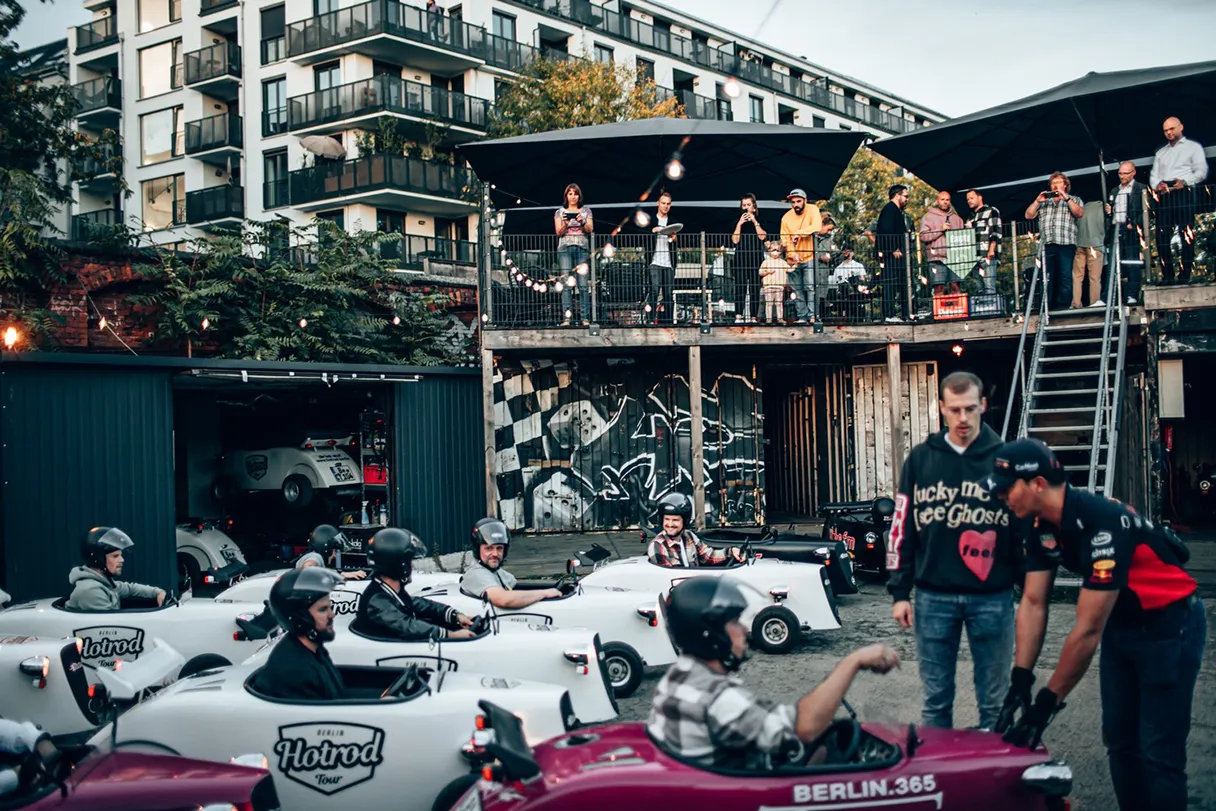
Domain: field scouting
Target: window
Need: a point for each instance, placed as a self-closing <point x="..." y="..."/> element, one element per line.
<point x="757" y="109"/>
<point x="818" y="122"/>
<point x="845" y="127"/>
<point x="320" y="7"/>
<point x="162" y="135"/>
<point x="785" y="115"/>
<point x="155" y="14"/>
<point x="645" y="69"/>
<point x="160" y="68"/>
<point x="164" y="202"/>
<point x="274" y="191"/>
<point x="501" y="86"/>
<point x="327" y="76"/>
<point x="274" y="106"/>
<point x="603" y="54"/>
<point x="274" y="21"/>
<point x="504" y="26"/>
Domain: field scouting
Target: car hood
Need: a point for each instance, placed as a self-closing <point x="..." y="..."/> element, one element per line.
<point x="144" y="782"/>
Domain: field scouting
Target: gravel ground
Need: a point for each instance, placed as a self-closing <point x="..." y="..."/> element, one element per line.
<point x="1075" y="734"/>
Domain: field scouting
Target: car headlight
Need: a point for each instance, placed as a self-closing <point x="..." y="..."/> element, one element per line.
<point x="1205" y="485"/>
<point x="37" y="668"/>
<point x="871" y="539"/>
<point x="1053" y="779"/>
<point x="779" y="593"/>
<point x="650" y="613"/>
<point x="581" y="661"/>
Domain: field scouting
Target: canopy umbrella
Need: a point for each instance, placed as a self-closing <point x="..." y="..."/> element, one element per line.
<point x="1086" y="122"/>
<point x="615" y="163"/>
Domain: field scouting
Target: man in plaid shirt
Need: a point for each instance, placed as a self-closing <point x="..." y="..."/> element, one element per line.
<point x="704" y="714"/>
<point x="680" y="548"/>
<point x="986" y="220"/>
<point x="1058" y="230"/>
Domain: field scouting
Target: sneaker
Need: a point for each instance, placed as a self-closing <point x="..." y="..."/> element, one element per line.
<point x="1098" y="303"/>
<point x="895" y="319"/>
<point x="1131" y="300"/>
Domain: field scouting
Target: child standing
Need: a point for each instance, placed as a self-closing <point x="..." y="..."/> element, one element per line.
<point x="773" y="279"/>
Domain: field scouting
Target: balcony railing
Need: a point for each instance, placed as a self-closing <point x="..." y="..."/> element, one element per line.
<point x="701" y="107"/>
<point x="508" y="54"/>
<point x="329" y="179"/>
<point x="275" y="193"/>
<point x="387" y="94"/>
<point x="97" y="94"/>
<point x="225" y="202"/>
<point x="408" y="251"/>
<point x="213" y="62"/>
<point x="96" y="34"/>
<point x="382" y="17"/>
<point x="209" y="6"/>
<point x="274" y="121"/>
<point x="214" y="132"/>
<point x="95" y="225"/>
<point x="109" y="163"/>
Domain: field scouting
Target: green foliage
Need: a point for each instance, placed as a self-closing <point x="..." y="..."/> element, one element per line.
<point x="862" y="192"/>
<point x="333" y="301"/>
<point x="556" y="94"/>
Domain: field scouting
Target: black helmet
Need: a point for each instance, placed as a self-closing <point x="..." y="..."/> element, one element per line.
<point x="326" y="538"/>
<point x="883" y="508"/>
<point x="697" y="611"/>
<point x="489" y="531"/>
<point x="391" y="552"/>
<point x="100" y="542"/>
<point x="676" y="504"/>
<point x="295" y="593"/>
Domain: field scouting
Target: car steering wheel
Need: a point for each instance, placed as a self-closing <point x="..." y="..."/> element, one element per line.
<point x="480" y="625"/>
<point x="831" y="739"/>
<point x="406" y="683"/>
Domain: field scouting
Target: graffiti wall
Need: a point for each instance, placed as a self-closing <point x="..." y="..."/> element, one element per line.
<point x="594" y="444"/>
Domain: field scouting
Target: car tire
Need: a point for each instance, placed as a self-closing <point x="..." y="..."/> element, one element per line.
<point x="188" y="569"/>
<point x="624" y="668"/>
<point x="775" y="630"/>
<point x="297" y="491"/>
<point x="204" y="661"/>
<point x="453" y="791"/>
<point x="223" y="489"/>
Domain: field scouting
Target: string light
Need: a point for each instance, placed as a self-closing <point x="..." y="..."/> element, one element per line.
<point x="675" y="169"/>
<point x="11" y="337"/>
<point x="303" y="323"/>
<point x="583" y="268"/>
<point x="641" y="218"/>
<point x="957" y="349"/>
<point x="396" y="320"/>
<point x="732" y="88"/>
<point x="102" y="324"/>
<point x="608" y="250"/>
<point x="206" y="323"/>
<point x="571" y="281"/>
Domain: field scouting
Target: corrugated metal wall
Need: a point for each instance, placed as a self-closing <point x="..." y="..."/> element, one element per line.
<point x="84" y="446"/>
<point x="439" y="459"/>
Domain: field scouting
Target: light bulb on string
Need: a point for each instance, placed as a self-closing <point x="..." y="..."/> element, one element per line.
<point x="675" y="169"/>
<point x="641" y="218"/>
<point x="206" y="323"/>
<point x="732" y="88"/>
<point x="609" y="250"/>
<point x="102" y="324"/>
<point x="542" y="288"/>
<point x="396" y="320"/>
<point x="570" y="281"/>
<point x="11" y="337"/>
<point x="583" y="268"/>
<point x="485" y="318"/>
<point x="303" y="323"/>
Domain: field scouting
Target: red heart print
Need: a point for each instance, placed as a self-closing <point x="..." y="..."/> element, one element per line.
<point x="979" y="551"/>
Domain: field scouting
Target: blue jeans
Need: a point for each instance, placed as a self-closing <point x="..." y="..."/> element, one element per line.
<point x="1148" y="675"/>
<point x="1057" y="259"/>
<point x="801" y="280"/>
<point x="939" y="622"/>
<point x="568" y="258"/>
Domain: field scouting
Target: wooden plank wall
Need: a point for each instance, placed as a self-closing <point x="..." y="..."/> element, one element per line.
<point x="1131" y="456"/>
<point x="871" y="425"/>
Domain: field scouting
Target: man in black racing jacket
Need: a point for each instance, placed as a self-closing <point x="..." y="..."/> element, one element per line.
<point x="387" y="611"/>
<point x="299" y="667"/>
<point x="1135" y="597"/>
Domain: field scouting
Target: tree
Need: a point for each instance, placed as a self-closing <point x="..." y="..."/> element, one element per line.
<point x="337" y="301"/>
<point x="862" y="192"/>
<point x="556" y="94"/>
<point x="37" y="146"/>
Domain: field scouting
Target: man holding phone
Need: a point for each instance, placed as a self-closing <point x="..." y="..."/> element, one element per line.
<point x="1058" y="230"/>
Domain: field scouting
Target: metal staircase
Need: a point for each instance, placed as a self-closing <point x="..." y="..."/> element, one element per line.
<point x="1074" y="384"/>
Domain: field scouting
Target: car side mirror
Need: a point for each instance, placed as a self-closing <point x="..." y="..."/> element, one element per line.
<point x="572" y="567"/>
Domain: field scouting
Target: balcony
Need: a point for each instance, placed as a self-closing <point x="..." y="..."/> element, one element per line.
<point x="388" y="29"/>
<point x="216" y="140"/>
<point x="215" y="70"/>
<point x="98" y="102"/>
<point x="430" y="255"/>
<point x="705" y="108"/>
<point x="389" y="181"/>
<point x="94" y="226"/>
<point x="97" y="34"/>
<point x="508" y="54"/>
<point x="100" y="175"/>
<point x="212" y="6"/>
<point x="215" y="208"/>
<point x="360" y="103"/>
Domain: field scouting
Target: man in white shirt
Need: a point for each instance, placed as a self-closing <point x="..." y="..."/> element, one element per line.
<point x="662" y="271"/>
<point x="848" y="270"/>
<point x="1178" y="167"/>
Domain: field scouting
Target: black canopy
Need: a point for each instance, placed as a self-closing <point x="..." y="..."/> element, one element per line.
<point x="615" y="163"/>
<point x="1099" y="117"/>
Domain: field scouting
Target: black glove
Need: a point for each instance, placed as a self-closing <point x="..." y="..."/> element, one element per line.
<point x="1018" y="698"/>
<point x="1028" y="732"/>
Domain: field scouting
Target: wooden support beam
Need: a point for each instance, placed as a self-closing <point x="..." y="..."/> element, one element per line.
<point x="698" y="438"/>
<point x="896" y="413"/>
<point x="487" y="415"/>
<point x="1179" y="297"/>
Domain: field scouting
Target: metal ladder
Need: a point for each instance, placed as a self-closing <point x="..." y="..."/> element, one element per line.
<point x="1075" y="386"/>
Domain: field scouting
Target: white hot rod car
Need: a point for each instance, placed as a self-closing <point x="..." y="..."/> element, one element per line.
<point x="296" y="472"/>
<point x="206" y="555"/>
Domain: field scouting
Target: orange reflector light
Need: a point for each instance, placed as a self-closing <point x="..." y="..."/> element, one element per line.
<point x="487" y="774"/>
<point x="481" y="722"/>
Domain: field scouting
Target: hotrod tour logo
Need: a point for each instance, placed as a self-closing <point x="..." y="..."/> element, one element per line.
<point x="344" y="602"/>
<point x="329" y="757"/>
<point x="256" y="465"/>
<point x="101" y="645"/>
<point x="436" y="663"/>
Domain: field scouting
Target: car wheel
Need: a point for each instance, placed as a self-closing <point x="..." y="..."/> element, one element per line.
<point x="624" y="668"/>
<point x="223" y="489"/>
<point x="188" y="570"/>
<point x="453" y="791"/>
<point x="297" y="491"/>
<point x="775" y="630"/>
<point x="204" y="661"/>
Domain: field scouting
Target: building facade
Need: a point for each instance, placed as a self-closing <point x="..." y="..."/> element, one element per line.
<point x="213" y="99"/>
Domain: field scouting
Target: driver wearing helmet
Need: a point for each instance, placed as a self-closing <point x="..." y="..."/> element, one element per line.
<point x="487" y="579"/>
<point x="387" y="611"/>
<point x="299" y="667"/>
<point x="323" y="545"/>
<point x="703" y="713"/>
<point x="680" y="548"/>
<point x="93" y="585"/>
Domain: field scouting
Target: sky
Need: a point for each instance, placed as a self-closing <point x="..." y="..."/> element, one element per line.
<point x="953" y="56"/>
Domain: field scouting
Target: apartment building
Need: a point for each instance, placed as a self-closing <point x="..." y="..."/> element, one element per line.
<point x="215" y="101"/>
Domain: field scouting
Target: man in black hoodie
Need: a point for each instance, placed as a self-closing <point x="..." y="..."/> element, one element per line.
<point x="957" y="545"/>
